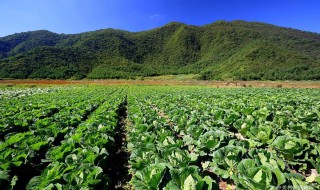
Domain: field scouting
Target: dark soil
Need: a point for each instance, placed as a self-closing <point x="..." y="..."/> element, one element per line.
<point x="117" y="168"/>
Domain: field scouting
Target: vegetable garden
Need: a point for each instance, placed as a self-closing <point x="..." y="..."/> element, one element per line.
<point x="159" y="137"/>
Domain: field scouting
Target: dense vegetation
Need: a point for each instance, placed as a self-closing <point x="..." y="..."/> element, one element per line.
<point x="190" y="138"/>
<point x="222" y="50"/>
<point x="59" y="137"/>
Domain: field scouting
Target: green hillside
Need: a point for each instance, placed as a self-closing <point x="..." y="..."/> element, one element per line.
<point x="222" y="50"/>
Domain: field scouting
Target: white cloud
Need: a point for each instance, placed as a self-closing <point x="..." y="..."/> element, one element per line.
<point x="154" y="16"/>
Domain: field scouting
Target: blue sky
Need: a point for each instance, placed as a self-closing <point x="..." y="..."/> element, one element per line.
<point x="75" y="16"/>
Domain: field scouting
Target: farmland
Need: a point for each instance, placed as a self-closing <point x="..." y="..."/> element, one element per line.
<point x="159" y="137"/>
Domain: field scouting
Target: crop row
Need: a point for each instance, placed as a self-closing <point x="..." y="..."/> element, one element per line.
<point x="16" y="115"/>
<point x="158" y="158"/>
<point x="11" y="93"/>
<point x="25" y="151"/>
<point x="265" y="141"/>
<point x="80" y="160"/>
<point x="177" y="137"/>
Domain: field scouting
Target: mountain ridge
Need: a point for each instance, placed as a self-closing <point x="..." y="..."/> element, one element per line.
<point x="222" y="50"/>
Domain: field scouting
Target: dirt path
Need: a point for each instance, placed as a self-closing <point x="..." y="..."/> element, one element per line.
<point x="118" y="170"/>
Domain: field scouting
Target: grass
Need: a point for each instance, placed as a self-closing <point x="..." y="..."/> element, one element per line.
<point x="182" y="77"/>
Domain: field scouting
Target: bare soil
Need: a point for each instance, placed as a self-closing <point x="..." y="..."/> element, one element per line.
<point x="214" y="84"/>
<point x="118" y="169"/>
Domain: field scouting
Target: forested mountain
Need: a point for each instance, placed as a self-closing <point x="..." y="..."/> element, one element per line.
<point x="222" y="50"/>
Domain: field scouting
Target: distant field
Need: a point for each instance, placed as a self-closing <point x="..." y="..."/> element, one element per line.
<point x="158" y="137"/>
<point x="170" y="80"/>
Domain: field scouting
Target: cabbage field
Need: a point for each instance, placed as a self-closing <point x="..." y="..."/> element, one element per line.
<point x="159" y="137"/>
